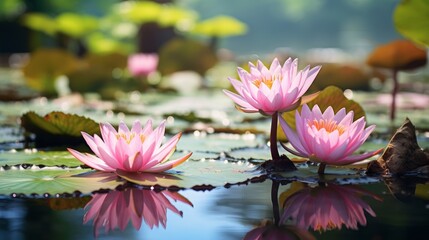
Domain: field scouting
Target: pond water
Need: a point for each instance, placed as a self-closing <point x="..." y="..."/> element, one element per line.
<point x="227" y="214"/>
<point x="45" y="194"/>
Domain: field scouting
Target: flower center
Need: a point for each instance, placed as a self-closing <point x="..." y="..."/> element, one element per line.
<point x="328" y="125"/>
<point x="331" y="226"/>
<point x="267" y="82"/>
<point x="129" y="137"/>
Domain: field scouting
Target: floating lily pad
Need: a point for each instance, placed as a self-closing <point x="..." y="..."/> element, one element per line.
<point x="76" y="25"/>
<point x="28" y="157"/>
<point x="55" y="181"/>
<point x="196" y="155"/>
<point x="58" y="128"/>
<point x="139" y="12"/>
<point x="220" y="26"/>
<point x="340" y="175"/>
<point x="251" y="153"/>
<point x="40" y="22"/>
<point x="198" y="175"/>
<point x="217" y="142"/>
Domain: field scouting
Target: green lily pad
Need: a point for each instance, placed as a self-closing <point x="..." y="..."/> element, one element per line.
<point x="254" y="153"/>
<point x="411" y="18"/>
<point x="330" y="96"/>
<point x="40" y="22"/>
<point x="220" y="26"/>
<point x="139" y="12"/>
<point x="76" y="25"/>
<point x="196" y="155"/>
<point x="58" y="128"/>
<point x="216" y="142"/>
<point x="198" y="175"/>
<point x="55" y="181"/>
<point x="28" y="157"/>
<point x="340" y="175"/>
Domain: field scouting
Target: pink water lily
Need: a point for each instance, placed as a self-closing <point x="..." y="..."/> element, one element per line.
<point x="270" y="92"/>
<point x="142" y="64"/>
<point x="116" y="209"/>
<point x="328" y="207"/>
<point x="137" y="149"/>
<point x="328" y="137"/>
<point x="277" y="89"/>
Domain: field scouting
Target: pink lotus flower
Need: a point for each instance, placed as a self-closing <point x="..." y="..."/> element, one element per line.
<point x="327" y="137"/>
<point x="328" y="207"/>
<point x="277" y="89"/>
<point x="135" y="150"/>
<point x="117" y="208"/>
<point x="142" y="64"/>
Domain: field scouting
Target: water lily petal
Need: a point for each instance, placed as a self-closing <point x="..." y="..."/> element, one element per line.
<point x="327" y="137"/>
<point x="169" y="165"/>
<point x="274" y="89"/>
<point x="91" y="160"/>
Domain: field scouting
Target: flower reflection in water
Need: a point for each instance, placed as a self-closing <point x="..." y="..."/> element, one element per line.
<point x="270" y="231"/>
<point x="117" y="208"/>
<point x="328" y="206"/>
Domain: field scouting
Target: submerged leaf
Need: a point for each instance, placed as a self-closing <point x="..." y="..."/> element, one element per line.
<point x="58" y="128"/>
<point x="65" y="203"/>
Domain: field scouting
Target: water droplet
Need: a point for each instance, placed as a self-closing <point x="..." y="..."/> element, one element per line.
<point x="348" y="93"/>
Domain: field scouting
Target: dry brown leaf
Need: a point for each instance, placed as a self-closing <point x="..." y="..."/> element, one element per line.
<point x="402" y="154"/>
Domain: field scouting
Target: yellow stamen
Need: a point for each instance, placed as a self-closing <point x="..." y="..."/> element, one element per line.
<point x="331" y="226"/>
<point x="329" y="126"/>
<point x="267" y="82"/>
<point x="129" y="137"/>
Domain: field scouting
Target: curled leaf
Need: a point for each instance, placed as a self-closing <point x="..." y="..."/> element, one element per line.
<point x="58" y="128"/>
<point x="402" y="154"/>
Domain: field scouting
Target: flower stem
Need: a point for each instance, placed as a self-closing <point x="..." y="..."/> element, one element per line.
<point x="275" y="201"/>
<point x="321" y="168"/>
<point x="394" y="92"/>
<point x="273" y="137"/>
